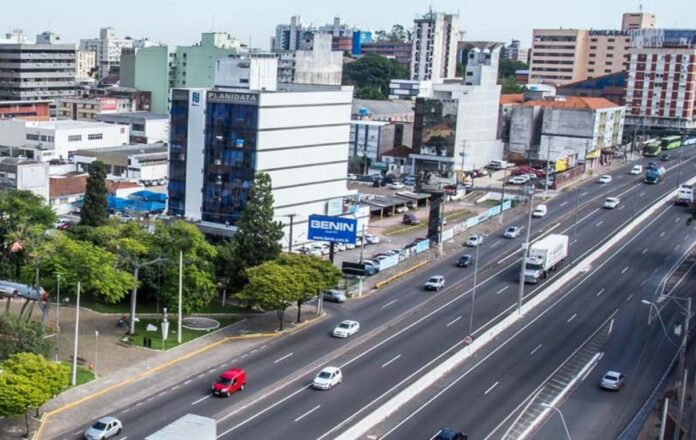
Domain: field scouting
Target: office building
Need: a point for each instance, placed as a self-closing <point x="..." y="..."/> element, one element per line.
<point x="661" y="85"/>
<point x="562" y="56"/>
<point x="395" y="50"/>
<point x="143" y="162"/>
<point x="158" y="69"/>
<point x="298" y="134"/>
<point x="85" y="64"/>
<point x="611" y="86"/>
<point x="87" y="108"/>
<point x="515" y="52"/>
<point x="318" y="65"/>
<point x="28" y="110"/>
<point x="57" y="140"/>
<point x="293" y="36"/>
<point x="145" y="127"/>
<point x="372" y="138"/>
<point x="107" y="49"/>
<point x="434" y="52"/>
<point x="36" y="72"/>
<point x="24" y="174"/>
<point x="455" y="128"/>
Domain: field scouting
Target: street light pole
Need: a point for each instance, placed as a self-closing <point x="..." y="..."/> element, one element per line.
<point x="96" y="350"/>
<point x="502" y="196"/>
<point x="77" y="329"/>
<point x="681" y="157"/>
<point x="473" y="291"/>
<point x="565" y="427"/>
<point x="57" y="315"/>
<point x="525" y="250"/>
<point x="292" y="221"/>
<point x="181" y="296"/>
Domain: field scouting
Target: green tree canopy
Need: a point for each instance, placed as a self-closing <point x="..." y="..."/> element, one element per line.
<point x="507" y="68"/>
<point x="273" y="287"/>
<point x="258" y="235"/>
<point x="510" y="86"/>
<point x="371" y="75"/>
<point x="94" y="211"/>
<point x="18" y="335"/>
<point x="51" y="377"/>
<point x="18" y="395"/>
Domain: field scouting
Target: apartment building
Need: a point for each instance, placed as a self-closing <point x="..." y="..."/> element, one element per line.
<point x="319" y="64"/>
<point x="107" y="48"/>
<point x="87" y="108"/>
<point x="434" y="52"/>
<point x="85" y="62"/>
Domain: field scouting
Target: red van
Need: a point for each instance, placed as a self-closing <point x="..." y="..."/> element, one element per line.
<point x="230" y="381"/>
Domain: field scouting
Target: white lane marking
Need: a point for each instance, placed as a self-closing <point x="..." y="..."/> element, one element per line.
<point x="389" y="303"/>
<point x="621" y="207"/>
<point x="662" y="234"/>
<point x="200" y="375"/>
<point x="202" y="399"/>
<point x="641" y="194"/>
<point x="80" y="431"/>
<point x="583" y="194"/>
<point x="390" y="361"/>
<point x="175" y="387"/>
<point x="453" y="321"/>
<point x="600" y="292"/>
<point x="307" y="413"/>
<point x="139" y="403"/>
<point x="645" y="281"/>
<point x="630" y="297"/>
<point x="572" y="317"/>
<point x="563" y="204"/>
<point x="624" y="270"/>
<point x="283" y="358"/>
<point x="496" y="243"/>
<point x="600" y="223"/>
<point x="611" y="327"/>
<point x="677" y="220"/>
<point x="589" y="370"/>
<point x="501" y="290"/>
<point x="188" y="381"/>
<point x="535" y="350"/>
<point x="491" y="387"/>
<point x="211" y="370"/>
<point x="644" y="251"/>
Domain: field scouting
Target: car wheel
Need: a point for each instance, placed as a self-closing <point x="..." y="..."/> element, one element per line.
<point x="119" y="431"/>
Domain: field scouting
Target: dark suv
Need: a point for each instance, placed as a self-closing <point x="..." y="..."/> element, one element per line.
<point x="465" y="260"/>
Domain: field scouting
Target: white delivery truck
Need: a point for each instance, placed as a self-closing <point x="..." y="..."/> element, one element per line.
<point x="685" y="195"/>
<point x="545" y="255"/>
<point x="188" y="427"/>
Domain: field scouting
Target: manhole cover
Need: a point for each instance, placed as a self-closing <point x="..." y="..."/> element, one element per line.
<point x="196" y="323"/>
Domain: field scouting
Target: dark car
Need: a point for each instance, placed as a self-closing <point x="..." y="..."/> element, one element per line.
<point x="410" y="219"/>
<point x="465" y="260"/>
<point x="652" y="166"/>
<point x="446" y="434"/>
<point x="665" y="157"/>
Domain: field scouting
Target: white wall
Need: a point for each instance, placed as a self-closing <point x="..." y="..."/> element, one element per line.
<point x="157" y="130"/>
<point x="34" y="178"/>
<point x="194" y="156"/>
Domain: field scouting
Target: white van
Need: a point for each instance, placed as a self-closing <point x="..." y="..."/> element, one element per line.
<point x="498" y="164"/>
<point x="539" y="211"/>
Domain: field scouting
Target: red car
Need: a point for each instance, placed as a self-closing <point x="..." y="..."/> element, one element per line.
<point x="230" y="381"/>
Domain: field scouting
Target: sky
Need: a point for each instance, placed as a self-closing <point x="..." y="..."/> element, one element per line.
<point x="182" y="21"/>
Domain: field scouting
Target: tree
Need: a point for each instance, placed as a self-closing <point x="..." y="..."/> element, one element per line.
<point x="371" y="75"/>
<point x="273" y="287"/>
<point x="507" y="68"/>
<point x="18" y="395"/>
<point x="510" y="86"/>
<point x="19" y="335"/>
<point x="317" y="275"/>
<point x="51" y="377"/>
<point x="94" y="211"/>
<point x="258" y="235"/>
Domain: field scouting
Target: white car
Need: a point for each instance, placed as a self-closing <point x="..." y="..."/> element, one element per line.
<point x="636" y="170"/>
<point x="604" y="179"/>
<point x="371" y="239"/>
<point x="474" y="241"/>
<point x="396" y="185"/>
<point x="518" y="180"/>
<point x="436" y="282"/>
<point x="327" y="378"/>
<point x="512" y="232"/>
<point x="346" y="328"/>
<point x="104" y="428"/>
<point x="540" y="211"/>
<point x="611" y="202"/>
<point x="613" y="380"/>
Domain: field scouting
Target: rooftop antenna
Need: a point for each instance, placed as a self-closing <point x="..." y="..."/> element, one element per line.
<point x="640" y="6"/>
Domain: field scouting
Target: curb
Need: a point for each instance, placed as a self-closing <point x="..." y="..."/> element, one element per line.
<point x="398" y="275"/>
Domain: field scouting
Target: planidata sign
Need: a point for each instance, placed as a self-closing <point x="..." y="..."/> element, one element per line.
<point x="332" y="229"/>
<point x="233" y="97"/>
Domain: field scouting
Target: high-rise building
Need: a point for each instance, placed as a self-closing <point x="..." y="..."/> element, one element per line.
<point x="298" y="134"/>
<point x="37" y="71"/>
<point x="107" y="49"/>
<point x="293" y="36"/>
<point x="515" y="52"/>
<point x="434" y="53"/>
<point x="158" y="69"/>
<point x="661" y="85"/>
<point x="319" y="65"/>
<point x="562" y="56"/>
<point x="85" y="62"/>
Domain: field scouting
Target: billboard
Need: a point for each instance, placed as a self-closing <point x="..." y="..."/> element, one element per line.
<point x="107" y="104"/>
<point x="332" y="229"/>
<point x="435" y="126"/>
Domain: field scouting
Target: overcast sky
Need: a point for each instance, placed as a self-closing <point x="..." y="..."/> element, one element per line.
<point x="182" y="21"/>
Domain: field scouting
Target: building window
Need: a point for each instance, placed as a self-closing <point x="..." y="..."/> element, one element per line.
<point x="74" y="138"/>
<point x="95" y="136"/>
<point x="32" y="137"/>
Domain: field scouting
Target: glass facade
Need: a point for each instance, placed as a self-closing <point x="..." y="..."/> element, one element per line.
<point x="230" y="159"/>
<point x="177" y="153"/>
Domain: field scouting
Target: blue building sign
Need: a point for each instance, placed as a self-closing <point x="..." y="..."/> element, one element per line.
<point x="332" y="229"/>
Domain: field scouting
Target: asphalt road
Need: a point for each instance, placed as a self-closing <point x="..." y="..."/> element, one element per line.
<point x="404" y="330"/>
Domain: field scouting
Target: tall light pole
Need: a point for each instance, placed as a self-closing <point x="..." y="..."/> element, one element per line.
<point x="502" y="195"/>
<point x="134" y="294"/>
<point x="181" y="296"/>
<point x="565" y="427"/>
<point x="473" y="291"/>
<point x="525" y="251"/>
<point x="681" y="157"/>
<point x="57" y="314"/>
<point x="96" y="350"/>
<point x="292" y="221"/>
<point x="73" y="381"/>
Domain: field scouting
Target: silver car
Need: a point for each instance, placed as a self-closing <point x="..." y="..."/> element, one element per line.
<point x="613" y="380"/>
<point x="512" y="232"/>
<point x="104" y="428"/>
<point x="335" y="296"/>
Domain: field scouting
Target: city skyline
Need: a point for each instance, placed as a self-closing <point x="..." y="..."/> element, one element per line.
<point x="175" y="23"/>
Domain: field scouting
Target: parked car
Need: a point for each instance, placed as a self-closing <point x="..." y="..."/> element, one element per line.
<point x="396" y="185"/>
<point x="346" y="328"/>
<point x="604" y="179"/>
<point x="230" y="381"/>
<point x="372" y="239"/>
<point x="465" y="260"/>
<point x="474" y="240"/>
<point x="104" y="428"/>
<point x="540" y="211"/>
<point x="371" y="267"/>
<point x="435" y="282"/>
<point x="636" y="170"/>
<point x="612" y="380"/>
<point x="611" y="202"/>
<point x="410" y="219"/>
<point x="327" y="378"/>
<point x="337" y="296"/>
<point x="518" y="180"/>
<point x="409" y="181"/>
<point x="512" y="232"/>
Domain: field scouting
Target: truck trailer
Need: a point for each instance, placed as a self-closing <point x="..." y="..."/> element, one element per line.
<point x="655" y="175"/>
<point x="544" y="256"/>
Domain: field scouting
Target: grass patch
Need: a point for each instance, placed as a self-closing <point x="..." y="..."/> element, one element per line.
<point x="401" y="229"/>
<point x="459" y="213"/>
<point x="83" y="375"/>
<point x="124" y="307"/>
<point x="156" y="336"/>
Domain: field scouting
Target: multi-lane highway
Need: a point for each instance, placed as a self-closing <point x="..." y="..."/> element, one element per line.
<point x="405" y="331"/>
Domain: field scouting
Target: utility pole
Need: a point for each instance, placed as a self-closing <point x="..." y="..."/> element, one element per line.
<point x="681" y="386"/>
<point x="57" y="314"/>
<point x="181" y="296"/>
<point x="292" y="221"/>
<point x="442" y="220"/>
<point x="575" y="224"/>
<point x="681" y="157"/>
<point x="73" y="381"/>
<point x="502" y="196"/>
<point x="473" y="293"/>
<point x="525" y="251"/>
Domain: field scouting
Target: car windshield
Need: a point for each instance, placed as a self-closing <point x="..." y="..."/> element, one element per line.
<point x="99" y="426"/>
<point x="224" y="381"/>
<point x="611" y="377"/>
<point x="344" y="325"/>
<point x="324" y="375"/>
<point x="473" y="238"/>
<point x="511" y="230"/>
<point x="434" y="280"/>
